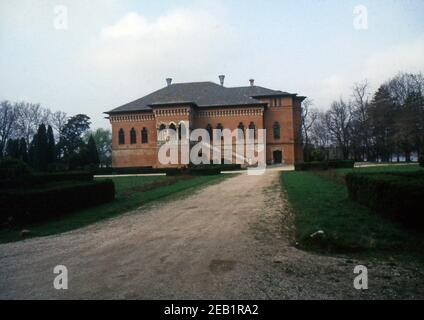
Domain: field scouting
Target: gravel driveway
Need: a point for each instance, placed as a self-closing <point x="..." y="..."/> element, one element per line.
<point x="231" y="240"/>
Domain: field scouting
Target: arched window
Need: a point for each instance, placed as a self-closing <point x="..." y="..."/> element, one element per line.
<point x="252" y="128"/>
<point x="162" y="132"/>
<point x="182" y="131"/>
<point x="220" y="128"/>
<point x="241" y="127"/>
<point x="172" y="132"/>
<point x="276" y="130"/>
<point x="121" y="136"/>
<point x="144" y="136"/>
<point x="133" y="136"/>
<point x="210" y="131"/>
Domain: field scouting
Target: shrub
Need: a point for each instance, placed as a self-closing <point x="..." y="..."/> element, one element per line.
<point x="43" y="178"/>
<point x="131" y="170"/>
<point x="314" y="165"/>
<point x="11" y="169"/>
<point x="317" y="155"/>
<point x="39" y="179"/>
<point x="398" y="196"/>
<point x="341" y="164"/>
<point x="33" y="205"/>
<point x="200" y="169"/>
<point x="324" y="165"/>
<point x="421" y="158"/>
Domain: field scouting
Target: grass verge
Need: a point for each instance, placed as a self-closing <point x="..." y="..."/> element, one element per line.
<point x="338" y="175"/>
<point x="131" y="193"/>
<point x="322" y="204"/>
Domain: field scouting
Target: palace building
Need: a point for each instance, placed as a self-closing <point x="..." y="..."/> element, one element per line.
<point x="136" y="126"/>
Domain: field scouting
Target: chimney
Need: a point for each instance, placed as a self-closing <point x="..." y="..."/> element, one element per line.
<point x="252" y="82"/>
<point x="221" y="79"/>
<point x="168" y="81"/>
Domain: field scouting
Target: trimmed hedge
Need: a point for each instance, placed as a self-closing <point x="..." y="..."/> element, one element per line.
<point x="34" y="205"/>
<point x="201" y="171"/>
<point x="314" y="165"/>
<point x="14" y="169"/>
<point x="195" y="170"/>
<point x="394" y="195"/>
<point x="324" y="165"/>
<point x="341" y="164"/>
<point x="39" y="179"/>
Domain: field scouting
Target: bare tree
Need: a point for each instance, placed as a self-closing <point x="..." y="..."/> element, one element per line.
<point x="319" y="133"/>
<point x="8" y="115"/>
<point x="309" y="116"/>
<point x="407" y="93"/>
<point x="360" y="120"/>
<point x="30" y="117"/>
<point x="338" y="121"/>
<point x="58" y="121"/>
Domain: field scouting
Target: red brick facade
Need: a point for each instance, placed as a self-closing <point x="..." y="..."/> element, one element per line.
<point x="282" y="145"/>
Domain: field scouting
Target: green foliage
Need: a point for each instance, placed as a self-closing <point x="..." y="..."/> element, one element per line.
<point x="41" y="149"/>
<point x="71" y="135"/>
<point x="317" y="155"/>
<point x="192" y="170"/>
<point x="78" y="160"/>
<point x="385" y="168"/>
<point x="34" y="205"/>
<point x="17" y="149"/>
<point x="31" y="151"/>
<point x="40" y="179"/>
<point x="11" y="169"/>
<point x="321" y="204"/>
<point x="324" y="165"/>
<point x="128" y="197"/>
<point x="103" y="140"/>
<point x="314" y="165"/>
<point x="340" y="164"/>
<point x="92" y="153"/>
<point x="395" y="195"/>
<point x="23" y="150"/>
<point x="55" y="177"/>
<point x="12" y="149"/>
<point x="51" y="148"/>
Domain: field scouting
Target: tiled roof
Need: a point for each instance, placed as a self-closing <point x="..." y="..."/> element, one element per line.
<point x="201" y="94"/>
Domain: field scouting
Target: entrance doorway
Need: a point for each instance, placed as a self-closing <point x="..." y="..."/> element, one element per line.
<point x="278" y="156"/>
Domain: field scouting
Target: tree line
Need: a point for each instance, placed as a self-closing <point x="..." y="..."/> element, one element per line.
<point x="386" y="125"/>
<point x="51" y="140"/>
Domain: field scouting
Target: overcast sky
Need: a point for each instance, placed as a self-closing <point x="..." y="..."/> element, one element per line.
<point x="109" y="52"/>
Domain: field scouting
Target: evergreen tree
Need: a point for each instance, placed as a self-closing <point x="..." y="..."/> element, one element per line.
<point x="41" y="149"/>
<point x="23" y="152"/>
<point x="382" y="110"/>
<point x="12" y="149"/>
<point x="31" y="151"/>
<point x="71" y="135"/>
<point x="92" y="153"/>
<point x="51" y="149"/>
<point x="103" y="139"/>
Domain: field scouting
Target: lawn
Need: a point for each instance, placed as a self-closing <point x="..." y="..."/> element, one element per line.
<point x="131" y="193"/>
<point x="385" y="168"/>
<point x="321" y="203"/>
<point x="338" y="175"/>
